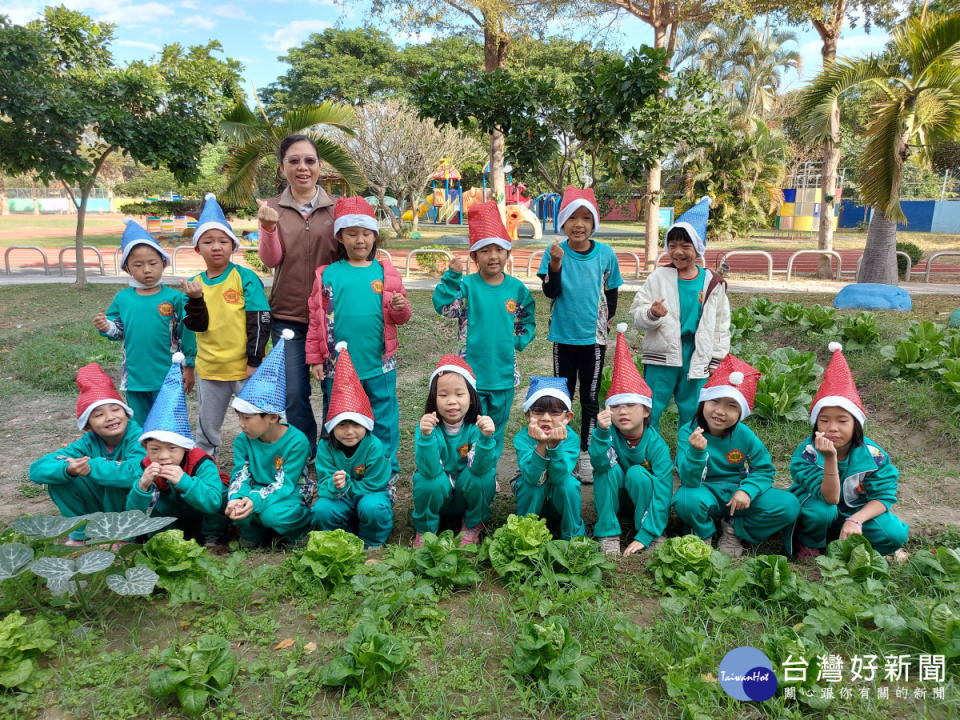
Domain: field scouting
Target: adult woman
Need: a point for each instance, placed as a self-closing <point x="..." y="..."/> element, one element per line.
<point x="296" y="237"/>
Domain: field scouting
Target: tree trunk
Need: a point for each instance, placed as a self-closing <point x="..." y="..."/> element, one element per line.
<point x="4" y="203"/>
<point x="879" y="264"/>
<point x="495" y="46"/>
<point x="828" y="170"/>
<point x="81" y="217"/>
<point x="654" y="176"/>
<point x="35" y="194"/>
<point x="414" y="216"/>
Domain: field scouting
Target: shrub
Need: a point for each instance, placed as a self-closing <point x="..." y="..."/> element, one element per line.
<point x="915" y="253"/>
<point x="253" y="260"/>
<point x="431" y="263"/>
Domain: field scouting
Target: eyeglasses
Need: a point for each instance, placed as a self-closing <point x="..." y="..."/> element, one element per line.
<point x="308" y="161"/>
<point x="551" y="413"/>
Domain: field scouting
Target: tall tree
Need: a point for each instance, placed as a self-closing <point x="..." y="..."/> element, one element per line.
<point x="68" y="107"/>
<point x="918" y="109"/>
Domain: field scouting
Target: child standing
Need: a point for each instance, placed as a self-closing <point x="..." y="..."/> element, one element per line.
<point x="360" y="301"/>
<point x="629" y="458"/>
<point x="147" y="318"/>
<point x="547" y="451"/>
<point x="495" y="313"/>
<point x="353" y="471"/>
<point x="95" y="473"/>
<point x="581" y="277"/>
<point x="179" y="479"/>
<point x="725" y="471"/>
<point x="686" y="315"/>
<point x="269" y="479"/>
<point x="845" y="483"/>
<point x="456" y="454"/>
<point x="229" y="312"/>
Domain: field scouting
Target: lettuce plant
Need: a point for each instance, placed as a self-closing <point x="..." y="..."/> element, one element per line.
<point x="860" y="331"/>
<point x="577" y="562"/>
<point x="516" y="547"/>
<point x="330" y="558"/>
<point x="181" y="565"/>
<point x="196" y="673"/>
<point x="446" y="563"/>
<point x="371" y="659"/>
<point x="546" y="652"/>
<point x="858" y="557"/>
<point x="769" y="577"/>
<point x="20" y="645"/>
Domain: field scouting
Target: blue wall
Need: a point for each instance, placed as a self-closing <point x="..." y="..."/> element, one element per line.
<point x="922" y="215"/>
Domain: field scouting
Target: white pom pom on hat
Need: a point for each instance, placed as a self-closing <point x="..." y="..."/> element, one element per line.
<point x="708" y="199"/>
<point x="621" y="327"/>
<point x="287" y="334"/>
<point x="340" y="346"/>
<point x="210" y="196"/>
<point x="834" y="346"/>
<point x="127" y="220"/>
<point x="178" y="358"/>
<point x="736" y="378"/>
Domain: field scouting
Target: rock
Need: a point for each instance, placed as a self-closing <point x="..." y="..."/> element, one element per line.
<point x="954" y="318"/>
<point x="873" y="296"/>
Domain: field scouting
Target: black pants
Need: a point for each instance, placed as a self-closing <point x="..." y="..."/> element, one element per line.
<point x="585" y="362"/>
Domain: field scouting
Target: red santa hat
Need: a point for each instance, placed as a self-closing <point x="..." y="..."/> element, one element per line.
<point x="454" y="364"/>
<point x="348" y="401"/>
<point x="627" y="384"/>
<point x="837" y="388"/>
<point x="735" y="379"/>
<point x="574" y="198"/>
<point x="486" y="226"/>
<point x="96" y="389"/>
<point x="354" y="212"/>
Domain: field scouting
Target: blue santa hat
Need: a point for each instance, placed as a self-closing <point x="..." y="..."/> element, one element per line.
<point x="694" y="221"/>
<point x="547" y="387"/>
<point x="134" y="234"/>
<point x="266" y="390"/>
<point x="212" y="218"/>
<point x="168" y="420"/>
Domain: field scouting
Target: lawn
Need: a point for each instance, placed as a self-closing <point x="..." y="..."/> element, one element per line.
<point x="647" y="641"/>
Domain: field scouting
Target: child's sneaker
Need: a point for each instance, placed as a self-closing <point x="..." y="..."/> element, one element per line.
<point x="470" y="536"/>
<point x="610" y="545"/>
<point x="418" y="541"/>
<point x="729" y="543"/>
<point x="807" y="554"/>
<point x="657" y="542"/>
<point x="584" y="470"/>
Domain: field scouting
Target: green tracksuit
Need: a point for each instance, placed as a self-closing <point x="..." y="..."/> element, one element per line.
<point x="113" y="471"/>
<point x="644" y="473"/>
<point x="866" y="474"/>
<point x="198" y="501"/>
<point x="271" y="475"/>
<point x="546" y="483"/>
<point x="494" y="322"/>
<point x="709" y="478"/>
<point x="456" y="473"/>
<point x="363" y="505"/>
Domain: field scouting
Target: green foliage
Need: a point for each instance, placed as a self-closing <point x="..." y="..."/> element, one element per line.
<point x="431" y="263"/>
<point x="516" y="547"/>
<point x="941" y="629"/>
<point x="686" y="565"/>
<point x="858" y="557"/>
<point x="372" y="658"/>
<point x="915" y="253"/>
<point x="20" y="645"/>
<point x="925" y="346"/>
<point x="330" y="558"/>
<point x="252" y="258"/>
<point x="820" y="320"/>
<point x="769" y="577"/>
<point x="791" y="313"/>
<point x="181" y="565"/>
<point x="743" y="323"/>
<point x="443" y="560"/>
<point x="546" y="652"/>
<point x="786" y="388"/>
<point x="577" y="562"/>
<point x="196" y="673"/>
<point x="859" y="332"/>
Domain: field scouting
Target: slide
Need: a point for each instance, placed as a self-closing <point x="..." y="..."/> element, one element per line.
<point x="421" y="211"/>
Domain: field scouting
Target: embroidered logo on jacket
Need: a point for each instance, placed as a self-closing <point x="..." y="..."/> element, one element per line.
<point x="734" y="457"/>
<point x="377" y="286"/>
<point x="165" y="309"/>
<point x="464" y="450"/>
<point x="278" y="462"/>
<point x="511" y="305"/>
<point x="232" y="297"/>
<point x="360" y="470"/>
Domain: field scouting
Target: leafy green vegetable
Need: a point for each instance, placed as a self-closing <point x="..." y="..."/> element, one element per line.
<point x="443" y="560"/>
<point x="941" y="629"/>
<point x="683" y="561"/>
<point x="577" y="562"/>
<point x="820" y="320"/>
<point x="371" y="658"/>
<point x="858" y="557"/>
<point x="763" y="308"/>
<point x="743" y="323"/>
<point x="770" y="577"/>
<point x="860" y="331"/>
<point x="516" y="547"/>
<point x="181" y="565"/>
<point x="546" y="652"/>
<point x="20" y="645"/>
<point x="330" y="558"/>
<point x="196" y="672"/>
<point x="923" y="347"/>
<point x="791" y="313"/>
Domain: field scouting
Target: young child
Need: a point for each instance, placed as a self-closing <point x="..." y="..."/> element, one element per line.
<point x="360" y="301"/>
<point x="686" y="315"/>
<point x="547" y="451"/>
<point x="845" y="483"/>
<point x="179" y="479"/>
<point x="147" y="318"/>
<point x="725" y="471"/>
<point x="495" y="314"/>
<point x="353" y="470"/>
<point x="456" y="453"/>
<point x="629" y="458"/>
<point x="269" y="480"/>
<point x="228" y="310"/>
<point x="583" y="301"/>
<point x="95" y="473"/>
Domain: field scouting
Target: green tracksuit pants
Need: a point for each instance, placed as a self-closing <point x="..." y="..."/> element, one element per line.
<point x="666" y="382"/>
<point x="370" y="516"/>
<point x="471" y="495"/>
<point x="819" y="522"/>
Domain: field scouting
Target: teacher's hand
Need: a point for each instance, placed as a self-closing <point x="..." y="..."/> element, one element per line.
<point x="267" y="216"/>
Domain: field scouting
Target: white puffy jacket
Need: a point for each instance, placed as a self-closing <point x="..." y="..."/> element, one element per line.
<point x="661" y="339"/>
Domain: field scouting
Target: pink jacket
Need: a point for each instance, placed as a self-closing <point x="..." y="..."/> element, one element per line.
<point x="318" y="345"/>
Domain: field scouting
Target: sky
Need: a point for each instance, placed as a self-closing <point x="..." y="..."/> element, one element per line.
<point x="257" y="32"/>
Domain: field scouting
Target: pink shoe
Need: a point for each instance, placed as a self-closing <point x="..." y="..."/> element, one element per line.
<point x="805" y="554"/>
<point x="470" y="536"/>
<point x="418" y="541"/>
<point x="117" y="545"/>
<point x="75" y="543"/>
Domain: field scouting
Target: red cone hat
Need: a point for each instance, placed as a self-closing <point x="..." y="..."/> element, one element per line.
<point x="627" y="384"/>
<point x="574" y="198"/>
<point x="354" y="212"/>
<point x="735" y="379"/>
<point x="837" y="388"/>
<point x="456" y="364"/>
<point x="348" y="400"/>
<point x="486" y="226"/>
<point x="96" y="388"/>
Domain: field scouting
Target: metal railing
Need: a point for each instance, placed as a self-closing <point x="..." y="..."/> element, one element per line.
<point x="173" y="256"/>
<point x="829" y="253"/>
<point x="530" y="260"/>
<point x="926" y="275"/>
<point x="636" y="259"/>
<point x="81" y="260"/>
<point x="906" y="275"/>
<point x="764" y="253"/>
<point x="389" y="256"/>
<point x="6" y="257"/>
<point x="425" y="250"/>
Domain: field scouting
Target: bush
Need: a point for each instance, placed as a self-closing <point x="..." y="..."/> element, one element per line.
<point x="432" y="263"/>
<point x="253" y="260"/>
<point x="167" y="208"/>
<point x="915" y="253"/>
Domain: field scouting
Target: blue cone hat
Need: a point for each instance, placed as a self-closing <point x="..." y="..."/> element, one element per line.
<point x="212" y="218"/>
<point x="694" y="221"/>
<point x="134" y="234"/>
<point x="547" y="387"/>
<point x="266" y="390"/>
<point x="168" y="420"/>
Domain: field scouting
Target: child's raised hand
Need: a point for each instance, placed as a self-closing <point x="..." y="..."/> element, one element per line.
<point x="340" y="479"/>
<point x="173" y="474"/>
<point x="557" y="435"/>
<point x="697" y="440"/>
<point x="456" y="264"/>
<point x="658" y="309"/>
<point x="78" y="466"/>
<point x="823" y="444"/>
<point x="428" y="422"/>
<point x="317" y="371"/>
<point x="604" y="419"/>
<point x="485" y="425"/>
<point x="149" y="475"/>
<point x="101" y="323"/>
<point x="267" y="216"/>
<point x="533" y="429"/>
<point x="739" y="501"/>
<point x="556" y="255"/>
<point x="192" y="288"/>
<point x="398" y="302"/>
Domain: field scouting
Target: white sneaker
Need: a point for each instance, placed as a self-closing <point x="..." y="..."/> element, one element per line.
<point x="584" y="470"/>
<point x="610" y="545"/>
<point x="729" y="543"/>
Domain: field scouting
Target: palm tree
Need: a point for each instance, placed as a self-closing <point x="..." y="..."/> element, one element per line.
<point x="917" y="80"/>
<point x="256" y="137"/>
